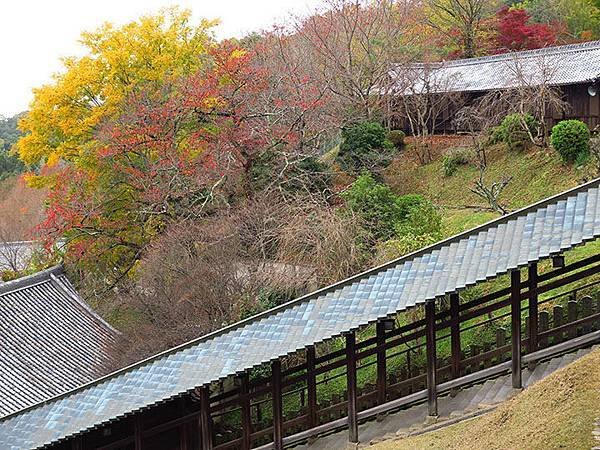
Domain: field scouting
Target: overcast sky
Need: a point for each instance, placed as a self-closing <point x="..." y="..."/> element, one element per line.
<point x="34" y="34"/>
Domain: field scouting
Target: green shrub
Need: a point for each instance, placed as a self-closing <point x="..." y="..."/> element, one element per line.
<point x="571" y="139"/>
<point x="422" y="219"/>
<point x="365" y="147"/>
<point x="514" y="131"/>
<point x="456" y="157"/>
<point x="381" y="209"/>
<point x="397" y="137"/>
<point x="402" y="245"/>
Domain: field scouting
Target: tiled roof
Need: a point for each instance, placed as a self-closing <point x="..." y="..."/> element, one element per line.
<point x="512" y="241"/>
<point x="561" y="65"/>
<point x="50" y="340"/>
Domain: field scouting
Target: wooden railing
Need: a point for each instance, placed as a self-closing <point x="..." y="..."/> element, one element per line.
<point x="581" y="314"/>
<point x="305" y="394"/>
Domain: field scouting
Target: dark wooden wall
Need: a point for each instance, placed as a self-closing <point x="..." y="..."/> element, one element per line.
<point x="582" y="107"/>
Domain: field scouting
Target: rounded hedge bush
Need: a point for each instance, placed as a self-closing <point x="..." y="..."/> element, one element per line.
<point x="514" y="131"/>
<point x="396" y="137"/>
<point x="365" y="146"/>
<point x="571" y="139"/>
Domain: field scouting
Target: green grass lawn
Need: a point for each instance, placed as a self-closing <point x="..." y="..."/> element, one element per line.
<point x="536" y="174"/>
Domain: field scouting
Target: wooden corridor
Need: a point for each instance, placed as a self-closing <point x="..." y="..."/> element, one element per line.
<point x="286" y="407"/>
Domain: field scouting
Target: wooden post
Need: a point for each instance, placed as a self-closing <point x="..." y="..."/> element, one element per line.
<point x="246" y="415"/>
<point x="532" y="274"/>
<point x="381" y="364"/>
<point x="586" y="309"/>
<point x="351" y="383"/>
<point x="77" y="443"/>
<point x="311" y="386"/>
<point x="431" y="357"/>
<point x="137" y="432"/>
<point x="544" y="320"/>
<point x="184" y="428"/>
<point x="455" y="334"/>
<point x="515" y="332"/>
<point x="205" y="424"/>
<point x="572" y="314"/>
<point x="277" y="405"/>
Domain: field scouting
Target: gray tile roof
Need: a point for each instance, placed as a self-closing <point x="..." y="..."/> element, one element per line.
<point x="50" y="340"/>
<point x="539" y="231"/>
<point x="561" y="65"/>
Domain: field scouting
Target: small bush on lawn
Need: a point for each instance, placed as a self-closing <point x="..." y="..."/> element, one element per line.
<point x="515" y="131"/>
<point x="571" y="139"/>
<point x="397" y="137"/>
<point x="378" y="206"/>
<point x="455" y="157"/>
<point x="365" y="147"/>
<point x="402" y="245"/>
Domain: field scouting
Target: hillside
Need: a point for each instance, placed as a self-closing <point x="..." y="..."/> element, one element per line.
<point x="536" y="174"/>
<point x="557" y="412"/>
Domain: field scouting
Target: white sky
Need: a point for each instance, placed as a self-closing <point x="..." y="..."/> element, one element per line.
<point x="34" y="34"/>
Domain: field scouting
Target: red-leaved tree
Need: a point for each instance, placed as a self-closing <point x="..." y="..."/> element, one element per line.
<point x="176" y="152"/>
<point x="515" y="31"/>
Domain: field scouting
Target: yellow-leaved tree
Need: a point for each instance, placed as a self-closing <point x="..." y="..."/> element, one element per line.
<point x="64" y="114"/>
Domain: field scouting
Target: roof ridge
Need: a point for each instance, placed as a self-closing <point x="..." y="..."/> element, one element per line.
<point x="552" y="50"/>
<point x="503" y="219"/>
<point x="30" y="280"/>
<point x="75" y="297"/>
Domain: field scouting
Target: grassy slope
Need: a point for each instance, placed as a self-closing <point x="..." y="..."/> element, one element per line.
<point x="536" y="174"/>
<point x="557" y="412"/>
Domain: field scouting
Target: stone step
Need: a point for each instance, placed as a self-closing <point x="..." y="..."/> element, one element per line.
<point x="470" y="393"/>
<point x="566" y="360"/>
<point x="551" y="367"/>
<point x="489" y="397"/>
<point x="537" y="373"/>
<point x="482" y="391"/>
<point x="479" y="392"/>
<point x="504" y="392"/>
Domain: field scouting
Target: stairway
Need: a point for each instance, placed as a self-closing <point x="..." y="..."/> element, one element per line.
<point x="467" y="402"/>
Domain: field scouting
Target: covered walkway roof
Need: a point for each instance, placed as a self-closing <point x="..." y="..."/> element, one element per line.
<point x="539" y="231"/>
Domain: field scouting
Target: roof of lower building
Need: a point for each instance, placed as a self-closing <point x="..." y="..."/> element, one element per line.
<point x="512" y="241"/>
<point x="554" y="66"/>
<point x="50" y="340"/>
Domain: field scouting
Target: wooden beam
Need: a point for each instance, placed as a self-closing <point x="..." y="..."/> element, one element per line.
<point x="311" y="386"/>
<point x="455" y="334"/>
<point x="351" y="383"/>
<point x="532" y="272"/>
<point x="431" y="357"/>
<point x="381" y="364"/>
<point x="137" y="432"/>
<point x="77" y="443"/>
<point x="184" y="429"/>
<point x="515" y="332"/>
<point x="204" y="422"/>
<point x="246" y="415"/>
<point x="277" y="405"/>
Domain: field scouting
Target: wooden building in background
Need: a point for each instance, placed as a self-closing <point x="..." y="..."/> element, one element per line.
<point x="573" y="69"/>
